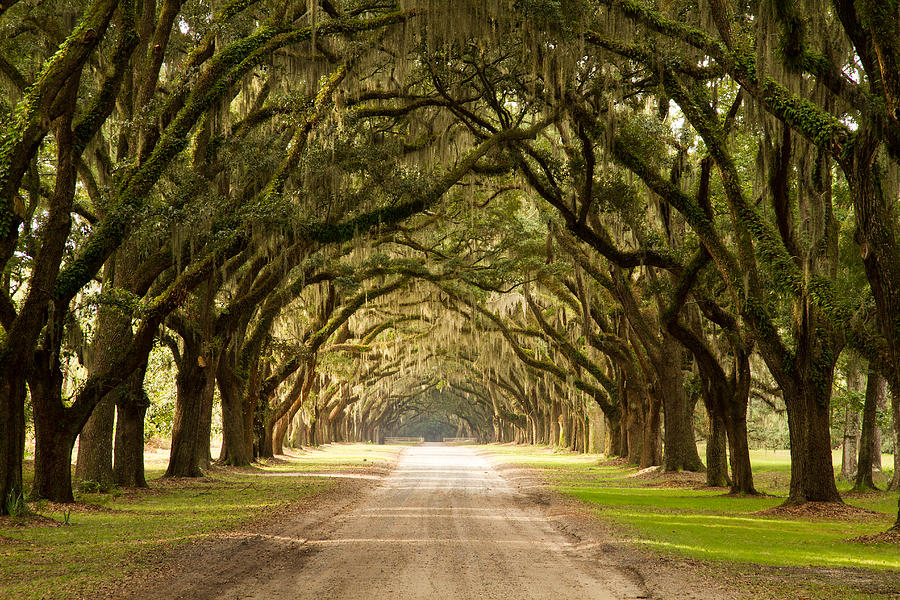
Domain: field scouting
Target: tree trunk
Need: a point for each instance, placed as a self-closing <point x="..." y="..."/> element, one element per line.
<point x="680" y="448"/>
<point x="881" y="408"/>
<point x="651" y="452"/>
<point x="54" y="440"/>
<point x="850" y="447"/>
<point x="234" y="447"/>
<point x="716" y="453"/>
<point x="95" y="442"/>
<point x="812" y="472"/>
<point x="131" y="408"/>
<point x="95" y="445"/>
<point x="613" y="443"/>
<point x="187" y="456"/>
<point x="204" y="431"/>
<point x="895" y="429"/>
<point x="555" y="430"/>
<point x="53" y="462"/>
<point x="266" y="439"/>
<point x="736" y="422"/>
<point x="634" y="429"/>
<point x="596" y="429"/>
<point x="300" y="392"/>
<point x="741" y="472"/>
<point x="12" y="435"/>
<point x="875" y="390"/>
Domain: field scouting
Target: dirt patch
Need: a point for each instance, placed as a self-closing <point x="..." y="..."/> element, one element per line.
<point x="73" y="507"/>
<point x="828" y="511"/>
<point x="675" y="577"/>
<point x="615" y="462"/>
<point x="273" y="539"/>
<point x="766" y="582"/>
<point x="27" y="522"/>
<point x="679" y="483"/>
<point x="657" y="473"/>
<point x="136" y="493"/>
<point x="660" y="576"/>
<point x="891" y="536"/>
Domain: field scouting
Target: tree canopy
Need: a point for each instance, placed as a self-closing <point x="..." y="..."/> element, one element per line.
<point x="532" y="220"/>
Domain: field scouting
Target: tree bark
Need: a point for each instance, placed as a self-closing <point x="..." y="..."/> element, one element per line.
<point x="131" y="408"/>
<point x="875" y="391"/>
<point x="716" y="453"/>
<point x="95" y="445"/>
<point x="306" y="382"/>
<point x="54" y="437"/>
<point x="231" y="389"/>
<point x="651" y="450"/>
<point x="12" y="434"/>
<point x="812" y="472"/>
<point x="680" y="448"/>
<point x="895" y="429"/>
<point x="187" y="457"/>
<point x="95" y="442"/>
<point x="850" y="447"/>
<point x="634" y="431"/>
<point x="881" y="408"/>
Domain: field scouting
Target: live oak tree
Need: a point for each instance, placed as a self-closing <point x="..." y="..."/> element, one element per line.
<point x="356" y="218"/>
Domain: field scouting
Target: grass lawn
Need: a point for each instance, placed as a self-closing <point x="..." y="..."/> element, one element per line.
<point x="682" y="518"/>
<point x="109" y="535"/>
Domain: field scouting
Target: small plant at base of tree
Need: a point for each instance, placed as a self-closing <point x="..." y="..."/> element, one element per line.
<point x="89" y="486"/>
<point x="16" y="506"/>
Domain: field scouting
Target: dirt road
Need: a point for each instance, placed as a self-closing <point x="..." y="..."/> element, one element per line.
<point x="443" y="524"/>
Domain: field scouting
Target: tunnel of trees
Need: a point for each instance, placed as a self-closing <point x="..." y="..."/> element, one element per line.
<point x="569" y="222"/>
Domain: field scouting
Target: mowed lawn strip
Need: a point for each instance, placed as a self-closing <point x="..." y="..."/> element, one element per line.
<point x="706" y="524"/>
<point x="111" y="535"/>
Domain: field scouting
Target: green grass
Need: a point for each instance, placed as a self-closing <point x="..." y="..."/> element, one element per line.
<point x="115" y="533"/>
<point x="708" y="525"/>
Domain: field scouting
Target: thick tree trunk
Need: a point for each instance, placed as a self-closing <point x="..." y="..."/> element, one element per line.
<point x="54" y="441"/>
<point x="95" y="445"/>
<point x="877" y="235"/>
<point x="812" y="473"/>
<point x="234" y="448"/>
<point x="131" y="408"/>
<point x="266" y="443"/>
<point x="187" y="456"/>
<point x="613" y="443"/>
<point x="262" y="432"/>
<point x="875" y="390"/>
<point x="596" y="429"/>
<point x="680" y="448"/>
<point x="736" y="422"/>
<point x="129" y="451"/>
<point x="741" y="472"/>
<point x="95" y="442"/>
<point x="12" y="435"/>
<point x="53" y="463"/>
